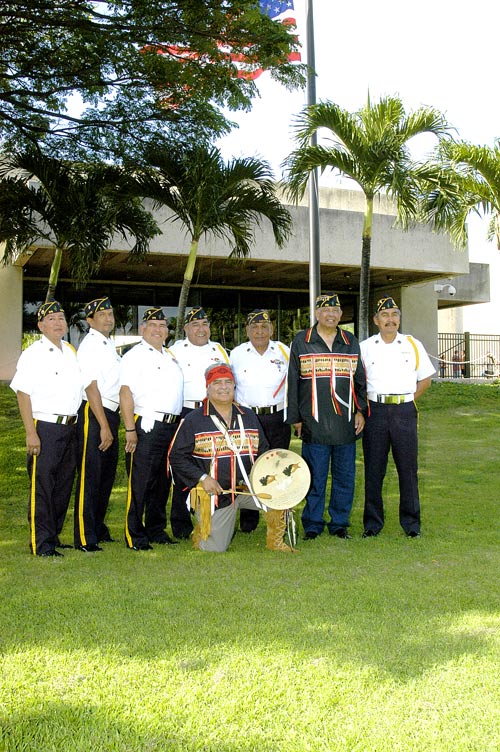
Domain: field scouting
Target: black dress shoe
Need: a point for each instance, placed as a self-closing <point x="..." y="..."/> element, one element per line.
<point x="51" y="553"/>
<point x="247" y="528"/>
<point x="311" y="535"/>
<point x="90" y="548"/>
<point x="63" y="545"/>
<point x="164" y="540"/>
<point x="341" y="533"/>
<point x="413" y="534"/>
<point x="142" y="547"/>
<point x="369" y="534"/>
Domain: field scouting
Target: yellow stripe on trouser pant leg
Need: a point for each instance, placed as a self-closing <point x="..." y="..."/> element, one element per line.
<point x="33" y="503"/>
<point x="129" y="501"/>
<point x="128" y="537"/>
<point x="81" y="497"/>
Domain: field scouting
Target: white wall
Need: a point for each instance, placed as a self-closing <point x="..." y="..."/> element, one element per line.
<point x="485" y="317"/>
<point x="418" y="316"/>
<point x="11" y="295"/>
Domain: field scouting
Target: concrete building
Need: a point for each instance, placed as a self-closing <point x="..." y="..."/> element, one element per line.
<point x="483" y="318"/>
<point x="406" y="265"/>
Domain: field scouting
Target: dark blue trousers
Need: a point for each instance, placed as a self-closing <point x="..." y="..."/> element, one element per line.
<point x="148" y="484"/>
<point x="340" y="461"/>
<point x="391" y="427"/>
<point x="96" y="475"/>
<point x="51" y="480"/>
<point x="180" y="517"/>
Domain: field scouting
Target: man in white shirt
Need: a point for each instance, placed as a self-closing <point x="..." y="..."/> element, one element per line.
<point x="398" y="371"/>
<point x="260" y="367"/>
<point x="151" y="387"/>
<point x="194" y="354"/>
<point x="98" y="422"/>
<point x="49" y="392"/>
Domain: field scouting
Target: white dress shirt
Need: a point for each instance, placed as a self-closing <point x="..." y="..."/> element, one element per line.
<point x="155" y="379"/>
<point x="260" y="379"/>
<point x="51" y="377"/>
<point x="99" y="361"/>
<point x="391" y="368"/>
<point x="194" y="361"/>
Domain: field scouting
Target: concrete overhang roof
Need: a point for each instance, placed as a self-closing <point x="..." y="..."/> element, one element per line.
<point x="160" y="269"/>
<point x="397" y="259"/>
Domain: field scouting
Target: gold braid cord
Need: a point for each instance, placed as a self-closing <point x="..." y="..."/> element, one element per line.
<point x="200" y="502"/>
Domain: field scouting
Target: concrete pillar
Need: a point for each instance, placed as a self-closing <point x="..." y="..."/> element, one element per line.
<point x="419" y="316"/>
<point x="11" y="320"/>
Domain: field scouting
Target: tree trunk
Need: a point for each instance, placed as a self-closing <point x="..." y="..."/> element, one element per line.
<point x="54" y="275"/>
<point x="186" y="284"/>
<point x="364" y="279"/>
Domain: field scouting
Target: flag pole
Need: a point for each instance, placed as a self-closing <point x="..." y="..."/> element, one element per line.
<point x="314" y="246"/>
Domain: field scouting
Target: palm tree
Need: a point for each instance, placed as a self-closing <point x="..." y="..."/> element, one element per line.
<point x="76" y="207"/>
<point x="370" y="147"/>
<point x="475" y="170"/>
<point x="210" y="197"/>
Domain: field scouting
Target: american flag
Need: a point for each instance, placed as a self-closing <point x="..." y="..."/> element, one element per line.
<point x="277" y="8"/>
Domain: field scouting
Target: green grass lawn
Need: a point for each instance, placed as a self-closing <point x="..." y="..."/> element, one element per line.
<point x="381" y="644"/>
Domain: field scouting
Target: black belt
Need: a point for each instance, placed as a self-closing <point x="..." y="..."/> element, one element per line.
<point x="62" y="420"/>
<point x="170" y="418"/>
<point x="270" y="410"/>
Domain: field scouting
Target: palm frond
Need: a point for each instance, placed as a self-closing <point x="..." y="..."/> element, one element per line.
<point x="369" y="146"/>
<point x="78" y="207"/>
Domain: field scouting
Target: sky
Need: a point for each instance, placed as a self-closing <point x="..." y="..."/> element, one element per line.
<point x="440" y="53"/>
<point x="434" y="54"/>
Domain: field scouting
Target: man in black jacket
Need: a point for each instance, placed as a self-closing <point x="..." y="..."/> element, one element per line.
<point x="213" y="452"/>
<point x="325" y="403"/>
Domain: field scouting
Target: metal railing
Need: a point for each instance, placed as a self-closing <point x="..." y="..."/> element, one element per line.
<point x="468" y="356"/>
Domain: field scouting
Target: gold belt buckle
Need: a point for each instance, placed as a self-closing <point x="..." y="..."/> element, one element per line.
<point x="395" y="399"/>
<point x="389" y="399"/>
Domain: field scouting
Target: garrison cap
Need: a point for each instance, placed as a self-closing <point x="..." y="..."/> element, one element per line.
<point x="258" y="315"/>
<point x="153" y="314"/>
<point x="330" y="299"/>
<point x="51" y="306"/>
<point x="385" y="303"/>
<point x="195" y="314"/>
<point x="99" y="304"/>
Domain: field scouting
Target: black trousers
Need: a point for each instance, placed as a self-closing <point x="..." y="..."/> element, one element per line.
<point x="148" y="484"/>
<point x="96" y="475"/>
<point x="391" y="427"/>
<point x="278" y="435"/>
<point x="51" y="481"/>
<point x="180" y="517"/>
<point x="277" y="432"/>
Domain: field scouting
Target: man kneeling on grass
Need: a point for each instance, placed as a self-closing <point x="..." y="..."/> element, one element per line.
<point x="212" y="454"/>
